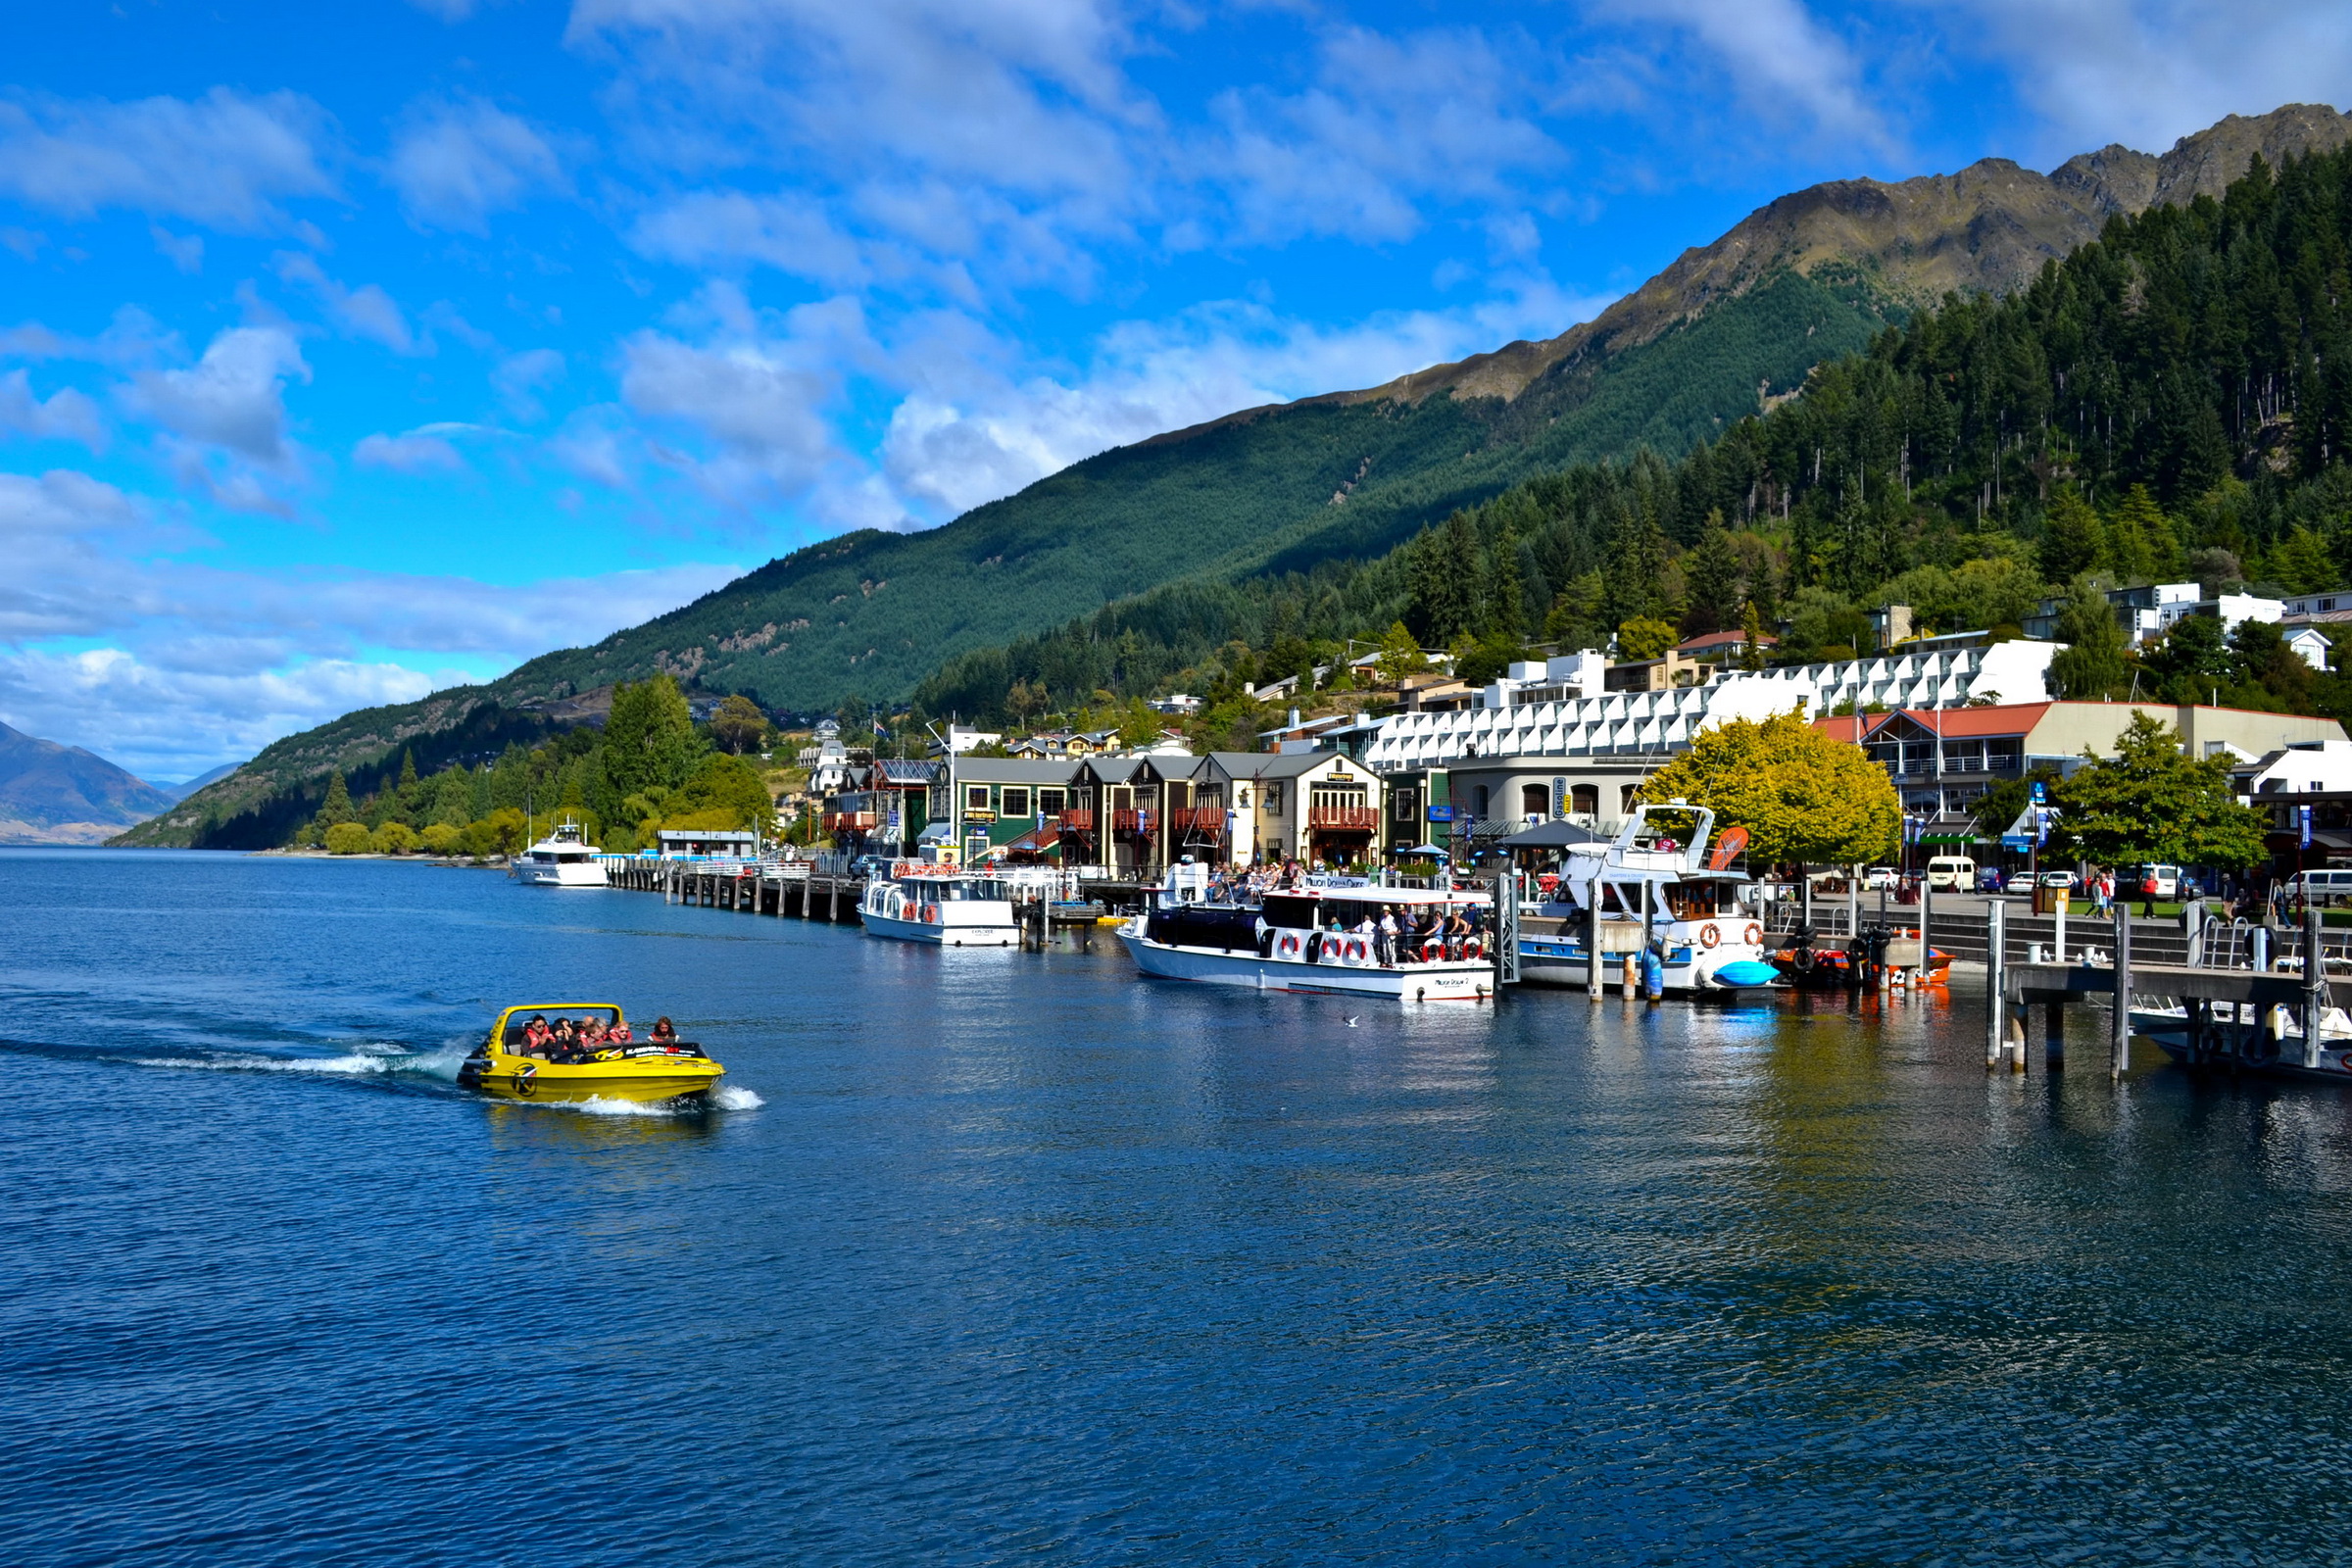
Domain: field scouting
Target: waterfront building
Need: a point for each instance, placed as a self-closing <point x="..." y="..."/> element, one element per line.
<point x="883" y="807"/>
<point x="1553" y="710"/>
<point x="976" y="803"/>
<point x="1945" y="761"/>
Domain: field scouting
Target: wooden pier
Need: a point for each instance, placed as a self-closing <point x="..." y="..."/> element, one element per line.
<point x="799" y="890"/>
<point x="2227" y="989"/>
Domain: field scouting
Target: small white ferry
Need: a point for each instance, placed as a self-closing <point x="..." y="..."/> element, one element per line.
<point x="945" y="905"/>
<point x="2247" y="1037"/>
<point x="1656" y="872"/>
<point x="560" y="860"/>
<point x="1313" y="939"/>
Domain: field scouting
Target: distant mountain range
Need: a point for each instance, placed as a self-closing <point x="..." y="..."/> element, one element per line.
<point x="1726" y="329"/>
<point x="52" y="793"/>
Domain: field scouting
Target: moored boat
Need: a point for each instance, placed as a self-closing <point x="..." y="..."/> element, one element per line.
<point x="1313" y="939"/>
<point x="561" y="860"/>
<point x="1657" y="886"/>
<point x="514" y="1062"/>
<point x="945" y="905"/>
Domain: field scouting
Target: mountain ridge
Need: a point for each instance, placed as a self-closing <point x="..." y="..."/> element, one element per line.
<point x="53" y="794"/>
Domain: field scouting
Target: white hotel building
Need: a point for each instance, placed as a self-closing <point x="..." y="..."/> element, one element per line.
<point x="1556" y="708"/>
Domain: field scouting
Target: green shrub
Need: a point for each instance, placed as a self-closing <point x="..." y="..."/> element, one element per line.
<point x="442" y="839"/>
<point x="393" y="838"/>
<point x="348" y="838"/>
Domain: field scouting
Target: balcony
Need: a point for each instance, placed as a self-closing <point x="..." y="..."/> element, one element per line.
<point x="1135" y="821"/>
<point x="1078" y="818"/>
<point x="850" y="821"/>
<point x="1343" y="818"/>
<point x="1207" y="821"/>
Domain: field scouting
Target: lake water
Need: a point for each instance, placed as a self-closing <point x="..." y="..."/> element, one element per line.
<point x="1006" y="1257"/>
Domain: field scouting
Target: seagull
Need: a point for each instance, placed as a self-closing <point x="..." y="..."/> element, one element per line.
<point x="1351" y="1023"/>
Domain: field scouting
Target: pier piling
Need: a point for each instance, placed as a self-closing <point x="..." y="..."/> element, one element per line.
<point x="1996" y="1005"/>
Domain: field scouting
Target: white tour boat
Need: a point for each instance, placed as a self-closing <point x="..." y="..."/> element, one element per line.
<point x="560" y="860"/>
<point x="1310" y="938"/>
<point x="945" y="905"/>
<point x="1658" y="870"/>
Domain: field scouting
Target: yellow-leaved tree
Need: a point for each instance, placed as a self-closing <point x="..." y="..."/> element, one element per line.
<point x="1802" y="794"/>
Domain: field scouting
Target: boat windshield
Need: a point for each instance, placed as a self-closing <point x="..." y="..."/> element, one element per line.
<point x="580" y="1014"/>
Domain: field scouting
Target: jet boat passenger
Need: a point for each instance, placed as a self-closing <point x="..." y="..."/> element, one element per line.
<point x="618" y="1034"/>
<point x="665" y="1032"/>
<point x="535" y="1036"/>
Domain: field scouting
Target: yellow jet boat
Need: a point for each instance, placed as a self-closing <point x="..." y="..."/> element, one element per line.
<point x="512" y="1062"/>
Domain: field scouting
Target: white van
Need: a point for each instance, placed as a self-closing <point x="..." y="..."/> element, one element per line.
<point x="2320" y="887"/>
<point x="1952" y="873"/>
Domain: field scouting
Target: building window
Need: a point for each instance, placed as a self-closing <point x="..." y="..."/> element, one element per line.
<point x="975" y="797"/>
<point x="1180" y="795"/>
<point x="1999" y="758"/>
<point x="1052" y="803"/>
<point x="1625" y="799"/>
<point x="1477" y="800"/>
<point x="1585" y="798"/>
<point x="1016" y="801"/>
<point x="1405" y="806"/>
<point x="1533" y="799"/>
<point x="1273" y="798"/>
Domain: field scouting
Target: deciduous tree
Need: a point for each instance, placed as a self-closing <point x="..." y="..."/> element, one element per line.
<point x="2149" y="803"/>
<point x="1802" y="794"/>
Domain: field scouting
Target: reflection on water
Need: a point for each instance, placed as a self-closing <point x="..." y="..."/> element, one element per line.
<point x="1009" y="1254"/>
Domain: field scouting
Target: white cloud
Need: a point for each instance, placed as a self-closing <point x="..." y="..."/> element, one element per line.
<point x="209" y="665"/>
<point x="518" y="379"/>
<point x="1776" y="57"/>
<point x="2146" y="72"/>
<point x="751" y="397"/>
<point x="65" y="416"/>
<point x="184" y="251"/>
<point x="1390" y="125"/>
<point x="161" y="721"/>
<point x="365" y="312"/>
<point x="232" y="399"/>
<point x="790" y="232"/>
<point x="457" y="162"/>
<point x="227" y="159"/>
<point x="412" y="452"/>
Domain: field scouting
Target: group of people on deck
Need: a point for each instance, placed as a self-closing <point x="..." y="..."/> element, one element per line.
<point x="1397" y="935"/>
<point x="569" y="1039"/>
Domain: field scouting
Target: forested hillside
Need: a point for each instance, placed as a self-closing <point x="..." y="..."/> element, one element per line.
<point x="2171" y="401"/>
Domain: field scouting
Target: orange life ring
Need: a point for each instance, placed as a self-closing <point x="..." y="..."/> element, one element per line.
<point x="1709" y="934"/>
<point x="1287" y="944"/>
<point x="1433" y="943"/>
<point x="1472" y="947"/>
<point x="1755" y="934"/>
<point x="930" y="914"/>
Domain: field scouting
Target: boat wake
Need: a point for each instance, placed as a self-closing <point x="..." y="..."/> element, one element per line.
<point x="371" y="1059"/>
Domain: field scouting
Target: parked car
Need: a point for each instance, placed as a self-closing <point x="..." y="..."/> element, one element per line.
<point x="866" y="867"/>
<point x="1881" y="876"/>
<point x="1952" y="873"/>
<point x="2150" y="882"/>
<point x="1988" y="879"/>
<point x="2057" y="879"/>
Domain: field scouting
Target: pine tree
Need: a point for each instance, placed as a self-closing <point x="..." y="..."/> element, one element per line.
<point x="338" y="805"/>
<point x="2091" y="665"/>
<point x="1751" y="644"/>
<point x="1711" y="583"/>
<point x="2072" y="539"/>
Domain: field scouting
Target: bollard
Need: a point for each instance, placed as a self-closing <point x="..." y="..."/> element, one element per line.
<point x="2315" y="984"/>
<point x="2262" y="949"/>
<point x="1996" y="1005"/>
<point x="1629" y="977"/>
<point x="2118" y="1054"/>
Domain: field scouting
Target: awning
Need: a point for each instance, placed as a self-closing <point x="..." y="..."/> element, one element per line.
<point x="1556" y="834"/>
<point x="1423" y="848"/>
<point x="938" y="833"/>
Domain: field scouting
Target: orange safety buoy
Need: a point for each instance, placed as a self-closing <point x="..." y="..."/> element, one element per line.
<point x="1709" y="934"/>
<point x="930" y="914"/>
<point x="1288" y="945"/>
<point x="1755" y="934"/>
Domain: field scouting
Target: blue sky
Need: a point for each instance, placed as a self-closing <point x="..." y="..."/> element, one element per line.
<point x="350" y="351"/>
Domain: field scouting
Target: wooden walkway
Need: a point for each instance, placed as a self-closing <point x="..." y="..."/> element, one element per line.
<point x="799" y="891"/>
